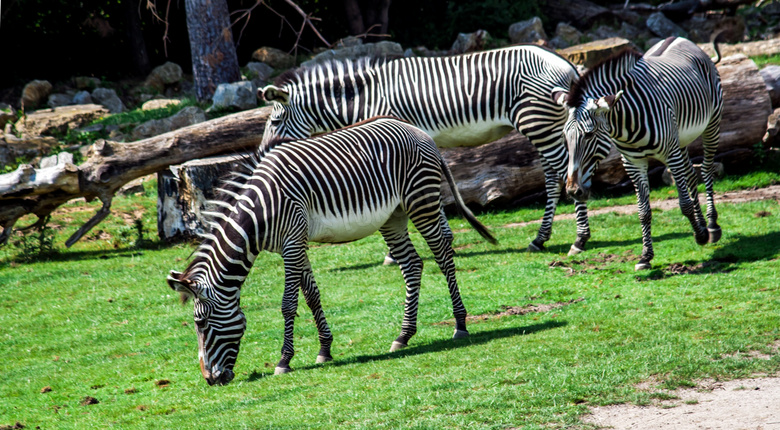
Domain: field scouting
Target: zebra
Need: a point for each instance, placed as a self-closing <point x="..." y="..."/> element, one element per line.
<point x="337" y="187"/>
<point x="649" y="106"/>
<point x="462" y="100"/>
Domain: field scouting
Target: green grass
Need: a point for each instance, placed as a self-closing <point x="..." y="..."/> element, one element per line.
<point x="764" y="60"/>
<point x="99" y="321"/>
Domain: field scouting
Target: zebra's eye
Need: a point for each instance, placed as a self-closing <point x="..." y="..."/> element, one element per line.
<point x="276" y="122"/>
<point x="590" y="134"/>
<point x="200" y="322"/>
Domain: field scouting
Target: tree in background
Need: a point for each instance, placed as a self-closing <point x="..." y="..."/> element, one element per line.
<point x="214" y="59"/>
<point x="367" y="16"/>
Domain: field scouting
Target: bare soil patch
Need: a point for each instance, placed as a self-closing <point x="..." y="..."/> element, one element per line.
<point x="732" y="405"/>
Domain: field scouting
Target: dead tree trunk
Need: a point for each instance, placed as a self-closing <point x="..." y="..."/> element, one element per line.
<point x="110" y="165"/>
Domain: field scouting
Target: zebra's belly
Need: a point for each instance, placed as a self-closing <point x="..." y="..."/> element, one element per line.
<point x="346" y="227"/>
<point x="690" y="133"/>
<point x="470" y="134"/>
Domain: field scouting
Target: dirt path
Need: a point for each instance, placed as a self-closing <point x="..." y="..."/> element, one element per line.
<point x="771" y="192"/>
<point x="734" y="405"/>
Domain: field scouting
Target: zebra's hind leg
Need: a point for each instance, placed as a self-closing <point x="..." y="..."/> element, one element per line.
<point x="710" y="139"/>
<point x="396" y="235"/>
<point x="439" y="238"/>
<point x="312" y="295"/>
<point x="637" y="171"/>
<point x="681" y="169"/>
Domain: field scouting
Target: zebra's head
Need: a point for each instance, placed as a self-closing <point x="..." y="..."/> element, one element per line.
<point x="587" y="139"/>
<point x="219" y="324"/>
<point x="289" y="118"/>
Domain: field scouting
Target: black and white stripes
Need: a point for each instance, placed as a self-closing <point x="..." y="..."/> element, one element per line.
<point x="337" y="187"/>
<point x="464" y="100"/>
<point x="649" y="106"/>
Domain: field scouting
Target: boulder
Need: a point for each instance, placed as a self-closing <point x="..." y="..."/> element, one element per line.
<point x="59" y="120"/>
<point x="750" y="49"/>
<point x="701" y="28"/>
<point x="662" y="26"/>
<point x="163" y="76"/>
<point x="376" y="50"/>
<point x="82" y="98"/>
<point x="565" y="36"/>
<point x="529" y="31"/>
<point x="590" y="54"/>
<point x="275" y="58"/>
<point x="259" y="73"/>
<point x="35" y="93"/>
<point x="160" y="104"/>
<point x="238" y="95"/>
<point x="59" y="99"/>
<point x="470" y="42"/>
<point x="187" y="116"/>
<point x="53" y="160"/>
<point x="108" y="98"/>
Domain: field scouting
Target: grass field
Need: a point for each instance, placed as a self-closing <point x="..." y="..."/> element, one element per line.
<point x="92" y="337"/>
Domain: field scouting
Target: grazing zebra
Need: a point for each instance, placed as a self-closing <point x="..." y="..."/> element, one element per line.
<point x="649" y="106"/>
<point x="337" y="187"/>
<point x="464" y="100"/>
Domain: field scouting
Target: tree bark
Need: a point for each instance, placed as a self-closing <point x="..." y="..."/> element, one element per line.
<point x="135" y="36"/>
<point x="214" y="58"/>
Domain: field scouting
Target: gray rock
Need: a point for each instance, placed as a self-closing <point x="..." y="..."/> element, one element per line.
<point x="274" y="57"/>
<point x="771" y="75"/>
<point x="565" y="36"/>
<point x="82" y="98"/>
<point x="528" y="31"/>
<point x="108" y="98"/>
<point x="377" y="50"/>
<point x="663" y="27"/>
<point x="603" y="32"/>
<point x="240" y="95"/>
<point x="470" y="42"/>
<point x="164" y="76"/>
<point x="259" y="73"/>
<point x="35" y="93"/>
<point x="58" y="99"/>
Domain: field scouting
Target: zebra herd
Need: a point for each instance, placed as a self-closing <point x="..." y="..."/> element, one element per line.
<point x="373" y="164"/>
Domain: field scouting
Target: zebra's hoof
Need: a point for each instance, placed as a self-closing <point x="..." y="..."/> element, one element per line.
<point x="460" y="334"/>
<point x="574" y="250"/>
<point x="535" y="248"/>
<point x="282" y="370"/>
<point x="323" y="359"/>
<point x="396" y="346"/>
<point x="642" y="265"/>
<point x="715" y="234"/>
<point x="389" y="261"/>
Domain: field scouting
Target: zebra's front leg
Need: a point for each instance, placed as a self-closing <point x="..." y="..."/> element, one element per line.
<point x="681" y="169"/>
<point x="396" y="236"/>
<point x="312" y="295"/>
<point x="553" y="186"/>
<point x="583" y="228"/>
<point x="295" y="263"/>
<point x="710" y="139"/>
<point x="637" y="171"/>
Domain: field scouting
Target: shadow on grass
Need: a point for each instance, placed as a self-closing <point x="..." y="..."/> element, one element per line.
<point x="475" y="338"/>
<point x="596" y="244"/>
<point x="744" y="249"/>
<point x="102" y="254"/>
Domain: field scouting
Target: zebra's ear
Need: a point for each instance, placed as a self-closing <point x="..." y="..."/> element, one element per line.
<point x="607" y="102"/>
<point x="181" y="285"/>
<point x="559" y="97"/>
<point x="275" y="94"/>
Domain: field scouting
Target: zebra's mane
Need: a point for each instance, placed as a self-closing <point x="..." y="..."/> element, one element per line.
<point x="626" y="57"/>
<point x="291" y="76"/>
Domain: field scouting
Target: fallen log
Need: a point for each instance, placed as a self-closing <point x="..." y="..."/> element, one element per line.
<point x="110" y="165"/>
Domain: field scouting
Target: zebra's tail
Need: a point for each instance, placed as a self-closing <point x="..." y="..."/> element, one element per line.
<point x="465" y="212"/>
<point x="717" y="37"/>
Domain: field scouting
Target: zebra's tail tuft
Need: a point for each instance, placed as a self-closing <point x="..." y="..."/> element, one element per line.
<point x="465" y="212"/>
<point x="715" y="38"/>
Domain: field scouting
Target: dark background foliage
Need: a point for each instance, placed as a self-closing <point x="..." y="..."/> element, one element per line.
<point x="58" y="39"/>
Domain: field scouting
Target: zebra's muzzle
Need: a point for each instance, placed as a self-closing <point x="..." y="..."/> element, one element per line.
<point x="218" y="377"/>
